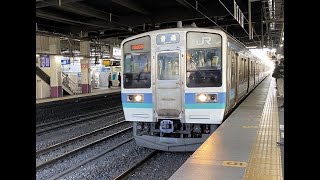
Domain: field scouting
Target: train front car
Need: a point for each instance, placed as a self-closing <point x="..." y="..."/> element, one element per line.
<point x="174" y="86"/>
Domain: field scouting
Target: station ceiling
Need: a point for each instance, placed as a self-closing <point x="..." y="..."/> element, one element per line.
<point x="100" y="19"/>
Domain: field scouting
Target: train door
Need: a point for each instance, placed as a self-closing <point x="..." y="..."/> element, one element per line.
<point x="168" y="86"/>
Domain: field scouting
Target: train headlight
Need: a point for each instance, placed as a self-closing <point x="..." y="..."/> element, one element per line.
<point x="202" y="98"/>
<point x="138" y="98"/>
<point x="206" y="98"/>
<point x="135" y="98"/>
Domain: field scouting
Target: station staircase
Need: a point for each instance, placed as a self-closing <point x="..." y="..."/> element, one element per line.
<point x="44" y="76"/>
<point x="70" y="89"/>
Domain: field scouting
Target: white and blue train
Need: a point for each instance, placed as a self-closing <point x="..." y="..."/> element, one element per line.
<point x="179" y="84"/>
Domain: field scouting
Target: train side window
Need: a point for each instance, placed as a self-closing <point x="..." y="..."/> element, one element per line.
<point x="245" y="69"/>
<point x="232" y="68"/>
<point x="251" y="68"/>
<point x="242" y="69"/>
<point x="241" y="73"/>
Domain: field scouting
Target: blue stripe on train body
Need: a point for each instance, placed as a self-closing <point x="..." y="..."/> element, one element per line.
<point x="190" y="101"/>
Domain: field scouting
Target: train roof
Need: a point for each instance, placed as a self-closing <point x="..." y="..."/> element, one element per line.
<point x="174" y="30"/>
<point x="213" y="30"/>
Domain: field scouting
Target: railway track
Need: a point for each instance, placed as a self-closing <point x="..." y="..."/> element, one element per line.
<point x="73" y="168"/>
<point x="75" y="151"/>
<point x="131" y="170"/>
<point x="77" y="138"/>
<point x="55" y="110"/>
<point x="39" y="125"/>
<point x="73" y="120"/>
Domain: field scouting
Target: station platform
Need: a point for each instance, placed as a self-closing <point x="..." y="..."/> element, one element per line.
<point x="246" y="145"/>
<point x="93" y="93"/>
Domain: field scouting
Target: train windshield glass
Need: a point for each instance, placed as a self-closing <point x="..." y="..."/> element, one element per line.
<point x="168" y="66"/>
<point x="137" y="64"/>
<point x="204" y="63"/>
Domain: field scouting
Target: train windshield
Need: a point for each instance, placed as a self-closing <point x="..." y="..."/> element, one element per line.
<point x="137" y="70"/>
<point x="204" y="60"/>
<point x="137" y="64"/>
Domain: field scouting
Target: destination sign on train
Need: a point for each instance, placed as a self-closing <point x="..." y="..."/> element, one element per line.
<point x="170" y="38"/>
<point x="137" y="47"/>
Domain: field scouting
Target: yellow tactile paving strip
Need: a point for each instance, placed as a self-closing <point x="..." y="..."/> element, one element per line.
<point x="265" y="157"/>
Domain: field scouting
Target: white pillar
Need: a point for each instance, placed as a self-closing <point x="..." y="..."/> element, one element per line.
<point x="55" y="60"/>
<point x="85" y="65"/>
<point x="55" y="79"/>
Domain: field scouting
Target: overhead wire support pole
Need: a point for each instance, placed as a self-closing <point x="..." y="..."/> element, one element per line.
<point x="211" y="19"/>
<point x="235" y="18"/>
<point x="262" y="42"/>
<point x="250" y="23"/>
<point x="250" y="26"/>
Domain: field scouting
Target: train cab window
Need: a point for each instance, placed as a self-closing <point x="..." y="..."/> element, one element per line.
<point x="137" y="70"/>
<point x="137" y="63"/>
<point x="204" y="60"/>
